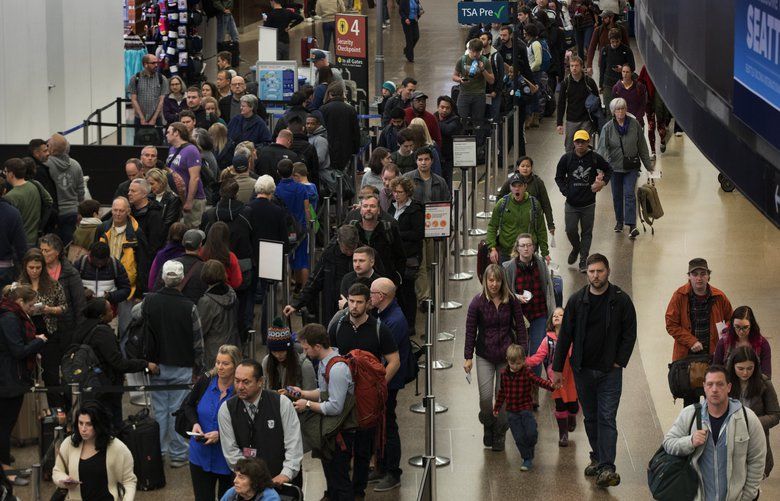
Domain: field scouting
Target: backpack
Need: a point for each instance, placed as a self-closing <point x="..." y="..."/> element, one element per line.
<point x="80" y="365"/>
<point x="671" y="477"/>
<point x="687" y="374"/>
<point x="295" y="231"/>
<point x="209" y="8"/>
<point x="546" y="55"/>
<point x="649" y="205"/>
<point x="138" y="343"/>
<point x="368" y="374"/>
<point x="483" y="253"/>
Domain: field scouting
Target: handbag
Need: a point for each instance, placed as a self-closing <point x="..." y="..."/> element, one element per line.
<point x="181" y="423"/>
<point x="687" y="374"/>
<point x="673" y="478"/>
<point x="629" y="163"/>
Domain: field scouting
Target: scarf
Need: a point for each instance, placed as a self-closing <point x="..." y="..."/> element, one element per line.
<point x="622" y="129"/>
<point x="26" y="324"/>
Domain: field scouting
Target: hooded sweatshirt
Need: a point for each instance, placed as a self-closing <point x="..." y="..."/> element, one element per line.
<point x="218" y="311"/>
<point x="319" y="139"/>
<point x="69" y="178"/>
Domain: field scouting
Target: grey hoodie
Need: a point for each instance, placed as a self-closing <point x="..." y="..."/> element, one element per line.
<point x="219" y="321"/>
<point x="319" y="139"/>
<point x="69" y="178"/>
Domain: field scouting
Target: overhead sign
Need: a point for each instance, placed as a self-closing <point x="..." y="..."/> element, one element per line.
<point x="757" y="66"/>
<point x="351" y="51"/>
<point x="483" y="12"/>
<point x="437" y="219"/>
<point x="464" y="151"/>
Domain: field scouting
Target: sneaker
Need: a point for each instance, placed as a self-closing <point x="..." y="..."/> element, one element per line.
<point x="652" y="156"/>
<point x="663" y="147"/>
<point x="592" y="469"/>
<point x="608" y="478"/>
<point x="498" y="444"/>
<point x="573" y="256"/>
<point x="583" y="266"/>
<point x="178" y="463"/>
<point x="527" y="464"/>
<point x="678" y="134"/>
<point x="375" y="476"/>
<point x="487" y="436"/>
<point x="388" y="483"/>
<point x="564" y="440"/>
<point x="316" y="17"/>
<point x="633" y="233"/>
<point x="309" y="19"/>
<point x="618" y="227"/>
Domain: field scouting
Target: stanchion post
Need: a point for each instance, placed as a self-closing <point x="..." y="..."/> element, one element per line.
<point x="355" y="186"/>
<point x="419" y="408"/>
<point x="119" y="120"/>
<point x="252" y="343"/>
<point x="488" y="169"/>
<point x="505" y="146"/>
<point x="312" y="241"/>
<point x="326" y="217"/>
<point x="285" y="281"/>
<point x="435" y="291"/>
<point x="36" y="482"/>
<point x="339" y="198"/>
<point x="75" y="393"/>
<point x="515" y="138"/>
<point x="445" y="303"/>
<point x="458" y="275"/>
<point x="464" y="210"/>
<point x="270" y="302"/>
<point x="473" y="230"/>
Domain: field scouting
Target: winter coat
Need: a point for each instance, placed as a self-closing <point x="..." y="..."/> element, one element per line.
<point x="633" y="145"/>
<point x="218" y="311"/>
<point x="73" y="287"/>
<point x="341" y="122"/>
<point x="105" y="344"/>
<point x="150" y="222"/>
<point x="450" y="126"/>
<point x="767" y="410"/>
<point x="135" y="258"/>
<point x="13" y="243"/>
<point x="543" y="354"/>
<point x="510" y="269"/>
<point x="171" y="210"/>
<point x="252" y="129"/>
<point x="69" y="178"/>
<point x="326" y="278"/>
<point x="490" y="330"/>
<point x="172" y="108"/>
<point x="236" y="215"/>
<point x="678" y="319"/>
<point x="411" y="226"/>
<point x="119" y="468"/>
<point x="111" y="278"/>
<point x="745" y="443"/>
<point x="538" y="190"/>
<point x="15" y="349"/>
<point x="268" y="158"/>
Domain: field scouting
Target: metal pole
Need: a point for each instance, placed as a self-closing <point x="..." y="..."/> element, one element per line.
<point x="86" y="132"/>
<point x="252" y="345"/>
<point x="75" y="393"/>
<point x="488" y="169"/>
<point x="379" y="59"/>
<point x="419" y="408"/>
<point x="464" y="200"/>
<point x="270" y="302"/>
<point x="285" y="280"/>
<point x="458" y="275"/>
<point x="326" y="227"/>
<point x="312" y="243"/>
<point x="473" y="230"/>
<point x="355" y="187"/>
<point x="119" y="120"/>
<point x="495" y="135"/>
<point x="36" y="482"/>
<point x="100" y="126"/>
<point x="515" y="138"/>
<point x="505" y="146"/>
<point x="339" y="198"/>
<point x="435" y="292"/>
<point x="445" y="303"/>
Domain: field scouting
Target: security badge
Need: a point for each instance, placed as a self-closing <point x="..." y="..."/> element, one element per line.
<point x="271" y="424"/>
<point x="249" y="452"/>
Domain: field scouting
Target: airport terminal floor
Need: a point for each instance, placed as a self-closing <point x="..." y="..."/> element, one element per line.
<point x="740" y="245"/>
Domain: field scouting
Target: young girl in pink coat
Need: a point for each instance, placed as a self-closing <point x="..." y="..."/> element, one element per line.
<point x="566" y="405"/>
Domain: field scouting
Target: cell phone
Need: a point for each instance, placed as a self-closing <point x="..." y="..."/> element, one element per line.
<point x="193" y="434"/>
<point x="468" y="377"/>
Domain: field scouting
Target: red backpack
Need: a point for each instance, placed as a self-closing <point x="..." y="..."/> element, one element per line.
<point x="368" y="374"/>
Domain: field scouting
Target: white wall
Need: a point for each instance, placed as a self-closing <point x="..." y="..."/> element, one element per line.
<point x="75" y="46"/>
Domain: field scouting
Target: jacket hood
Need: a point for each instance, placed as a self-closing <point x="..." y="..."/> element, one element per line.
<point x="226" y="300"/>
<point x="61" y="162"/>
<point x="320" y="131"/>
<point x="228" y="210"/>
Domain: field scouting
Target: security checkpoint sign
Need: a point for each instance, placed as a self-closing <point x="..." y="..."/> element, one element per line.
<point x="464" y="151"/>
<point x="351" y="51"/>
<point x="438" y="220"/>
<point x="483" y="12"/>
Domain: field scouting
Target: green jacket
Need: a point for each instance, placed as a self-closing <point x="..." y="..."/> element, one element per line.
<point x="536" y="188"/>
<point x="517" y="218"/>
<point x="320" y="432"/>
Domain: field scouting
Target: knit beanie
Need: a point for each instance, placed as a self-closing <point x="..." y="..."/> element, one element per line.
<point x="279" y="336"/>
<point x="390" y="86"/>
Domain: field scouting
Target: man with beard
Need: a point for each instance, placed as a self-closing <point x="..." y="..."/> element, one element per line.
<point x="449" y="125"/>
<point x="383" y="236"/>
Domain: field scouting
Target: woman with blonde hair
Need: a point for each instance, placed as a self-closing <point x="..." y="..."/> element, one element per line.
<point x="211" y="107"/>
<point x="493" y="322"/>
<point x="422" y="137"/>
<point x="209" y="471"/>
<point x="162" y="193"/>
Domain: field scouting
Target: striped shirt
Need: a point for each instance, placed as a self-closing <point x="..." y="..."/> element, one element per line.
<point x="148" y="89"/>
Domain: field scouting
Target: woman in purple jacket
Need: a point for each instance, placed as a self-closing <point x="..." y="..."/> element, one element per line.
<point x="493" y="322"/>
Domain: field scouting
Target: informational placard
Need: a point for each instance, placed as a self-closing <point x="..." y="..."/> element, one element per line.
<point x="438" y="219"/>
<point x="757" y="66"/>
<point x="276" y="80"/>
<point x="483" y="12"/>
<point x="266" y="44"/>
<point x="464" y="151"/>
<point x="270" y="260"/>
<point x="351" y="51"/>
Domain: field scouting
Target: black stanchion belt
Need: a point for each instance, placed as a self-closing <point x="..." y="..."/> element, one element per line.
<point x="112" y="389"/>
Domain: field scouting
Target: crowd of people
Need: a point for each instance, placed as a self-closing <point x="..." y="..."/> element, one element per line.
<point x="174" y="265"/>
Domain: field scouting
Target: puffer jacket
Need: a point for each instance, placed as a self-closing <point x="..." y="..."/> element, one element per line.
<point x="218" y="311"/>
<point x="489" y="329"/>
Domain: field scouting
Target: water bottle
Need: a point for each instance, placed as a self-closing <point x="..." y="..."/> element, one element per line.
<point x="474" y="67"/>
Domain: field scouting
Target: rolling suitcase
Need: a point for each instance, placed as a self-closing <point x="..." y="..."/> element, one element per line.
<point x="141" y="434"/>
<point x="26" y="430"/>
<point x="235" y="53"/>
<point x="307" y="44"/>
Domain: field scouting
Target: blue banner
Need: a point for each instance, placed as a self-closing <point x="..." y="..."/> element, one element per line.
<point x="757" y="66"/>
<point x="483" y="12"/>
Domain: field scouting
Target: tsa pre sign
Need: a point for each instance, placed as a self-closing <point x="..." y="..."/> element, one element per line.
<point x="483" y="12"/>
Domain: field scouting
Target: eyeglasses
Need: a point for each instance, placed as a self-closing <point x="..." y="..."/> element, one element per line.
<point x="742" y="328"/>
<point x="400" y="192"/>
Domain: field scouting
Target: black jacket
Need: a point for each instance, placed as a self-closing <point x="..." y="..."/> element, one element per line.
<point x="171" y="210"/>
<point x="450" y="126"/>
<point x="307" y="154"/>
<point x="224" y="105"/>
<point x="268" y="223"/>
<point x="74" y="294"/>
<point x="341" y="122"/>
<point x="618" y="340"/>
<point x="15" y="378"/>
<point x="268" y="158"/>
<point x="574" y="175"/>
<point x="571" y="98"/>
<point x="105" y="344"/>
<point x="389" y="247"/>
<point x="411" y="226"/>
<point x="609" y="59"/>
<point x="293" y="111"/>
<point x="195" y="287"/>
<point x="326" y="278"/>
<point x="43" y="176"/>
<point x="150" y="223"/>
<point x="236" y="215"/>
<point x="91" y="275"/>
<point x="392" y="103"/>
<point x="168" y="323"/>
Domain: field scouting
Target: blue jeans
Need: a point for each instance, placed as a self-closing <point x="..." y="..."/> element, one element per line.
<point x="226" y="21"/>
<point x="624" y="196"/>
<point x="536" y="333"/>
<point x="523" y="427"/>
<point x="166" y="403"/>
<point x="599" y="393"/>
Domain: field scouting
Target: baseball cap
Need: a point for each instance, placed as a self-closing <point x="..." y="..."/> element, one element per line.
<point x="390" y="86"/>
<point x="517" y="179"/>
<point x="607" y="13"/>
<point x="173" y="269"/>
<point x="698" y="263"/>
<point x="418" y="94"/>
<point x="581" y="134"/>
<point x="193" y="239"/>
<point x="240" y="163"/>
<point x="317" y="55"/>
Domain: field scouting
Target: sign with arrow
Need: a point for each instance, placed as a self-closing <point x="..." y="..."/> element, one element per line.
<point x="483" y="12"/>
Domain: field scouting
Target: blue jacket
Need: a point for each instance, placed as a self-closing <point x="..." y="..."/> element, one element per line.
<point x="13" y="243"/>
<point x="252" y="129"/>
<point x="393" y="317"/>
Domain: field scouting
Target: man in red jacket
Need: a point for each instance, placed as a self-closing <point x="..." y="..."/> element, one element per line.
<point x="417" y="110"/>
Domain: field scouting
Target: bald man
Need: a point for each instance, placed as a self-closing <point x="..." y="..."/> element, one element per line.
<point x="69" y="178"/>
<point x="388" y="311"/>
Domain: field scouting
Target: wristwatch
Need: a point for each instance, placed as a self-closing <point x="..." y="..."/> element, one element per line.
<point x="308" y="404"/>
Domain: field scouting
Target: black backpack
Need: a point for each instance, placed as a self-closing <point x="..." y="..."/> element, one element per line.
<point x="137" y="344"/>
<point x="671" y="477"/>
<point x="80" y="364"/>
<point x="295" y="231"/>
<point x="687" y="374"/>
<point x="209" y="8"/>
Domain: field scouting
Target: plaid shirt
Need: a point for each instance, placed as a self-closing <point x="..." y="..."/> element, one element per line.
<point x="516" y="389"/>
<point x="527" y="278"/>
<point x="700" y="318"/>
